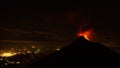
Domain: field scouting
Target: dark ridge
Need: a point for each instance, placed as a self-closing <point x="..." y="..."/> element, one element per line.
<point x="80" y="52"/>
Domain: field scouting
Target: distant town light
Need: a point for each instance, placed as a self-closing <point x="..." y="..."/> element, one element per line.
<point x="28" y="51"/>
<point x="6" y="64"/>
<point x="7" y="54"/>
<point x="58" y="49"/>
<point x="17" y="62"/>
<point x="1" y="59"/>
<point x="33" y="46"/>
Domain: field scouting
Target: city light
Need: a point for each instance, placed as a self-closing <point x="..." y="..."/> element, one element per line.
<point x="57" y="49"/>
<point x="12" y="56"/>
<point x="7" y="54"/>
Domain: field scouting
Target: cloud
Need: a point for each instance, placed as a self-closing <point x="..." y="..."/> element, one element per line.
<point x="16" y="41"/>
<point x="13" y="30"/>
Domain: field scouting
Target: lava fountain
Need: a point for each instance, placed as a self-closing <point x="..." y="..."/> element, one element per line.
<point x="87" y="34"/>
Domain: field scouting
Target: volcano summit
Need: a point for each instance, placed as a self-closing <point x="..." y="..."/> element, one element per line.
<point x="80" y="52"/>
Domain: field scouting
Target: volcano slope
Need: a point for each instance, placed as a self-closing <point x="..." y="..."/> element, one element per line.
<point x="80" y="52"/>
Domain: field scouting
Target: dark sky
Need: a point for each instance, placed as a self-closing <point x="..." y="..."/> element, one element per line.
<point x="56" y="23"/>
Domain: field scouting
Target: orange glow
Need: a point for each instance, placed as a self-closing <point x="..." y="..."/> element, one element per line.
<point x="33" y="46"/>
<point x="87" y="34"/>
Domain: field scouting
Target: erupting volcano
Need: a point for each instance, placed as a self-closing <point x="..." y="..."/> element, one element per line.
<point x="87" y="34"/>
<point x="80" y="52"/>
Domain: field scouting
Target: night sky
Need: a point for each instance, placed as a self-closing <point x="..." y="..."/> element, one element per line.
<point x="56" y="23"/>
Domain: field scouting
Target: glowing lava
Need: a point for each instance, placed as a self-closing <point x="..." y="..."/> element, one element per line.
<point x="87" y="34"/>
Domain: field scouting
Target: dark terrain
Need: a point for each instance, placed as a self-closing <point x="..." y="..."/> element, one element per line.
<point x="80" y="53"/>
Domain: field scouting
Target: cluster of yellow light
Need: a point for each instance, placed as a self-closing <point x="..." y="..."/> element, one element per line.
<point x="7" y="54"/>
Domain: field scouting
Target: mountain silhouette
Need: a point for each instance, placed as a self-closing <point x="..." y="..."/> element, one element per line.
<point x="80" y="52"/>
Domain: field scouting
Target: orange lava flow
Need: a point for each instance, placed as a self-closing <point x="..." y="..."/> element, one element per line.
<point x="87" y="34"/>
